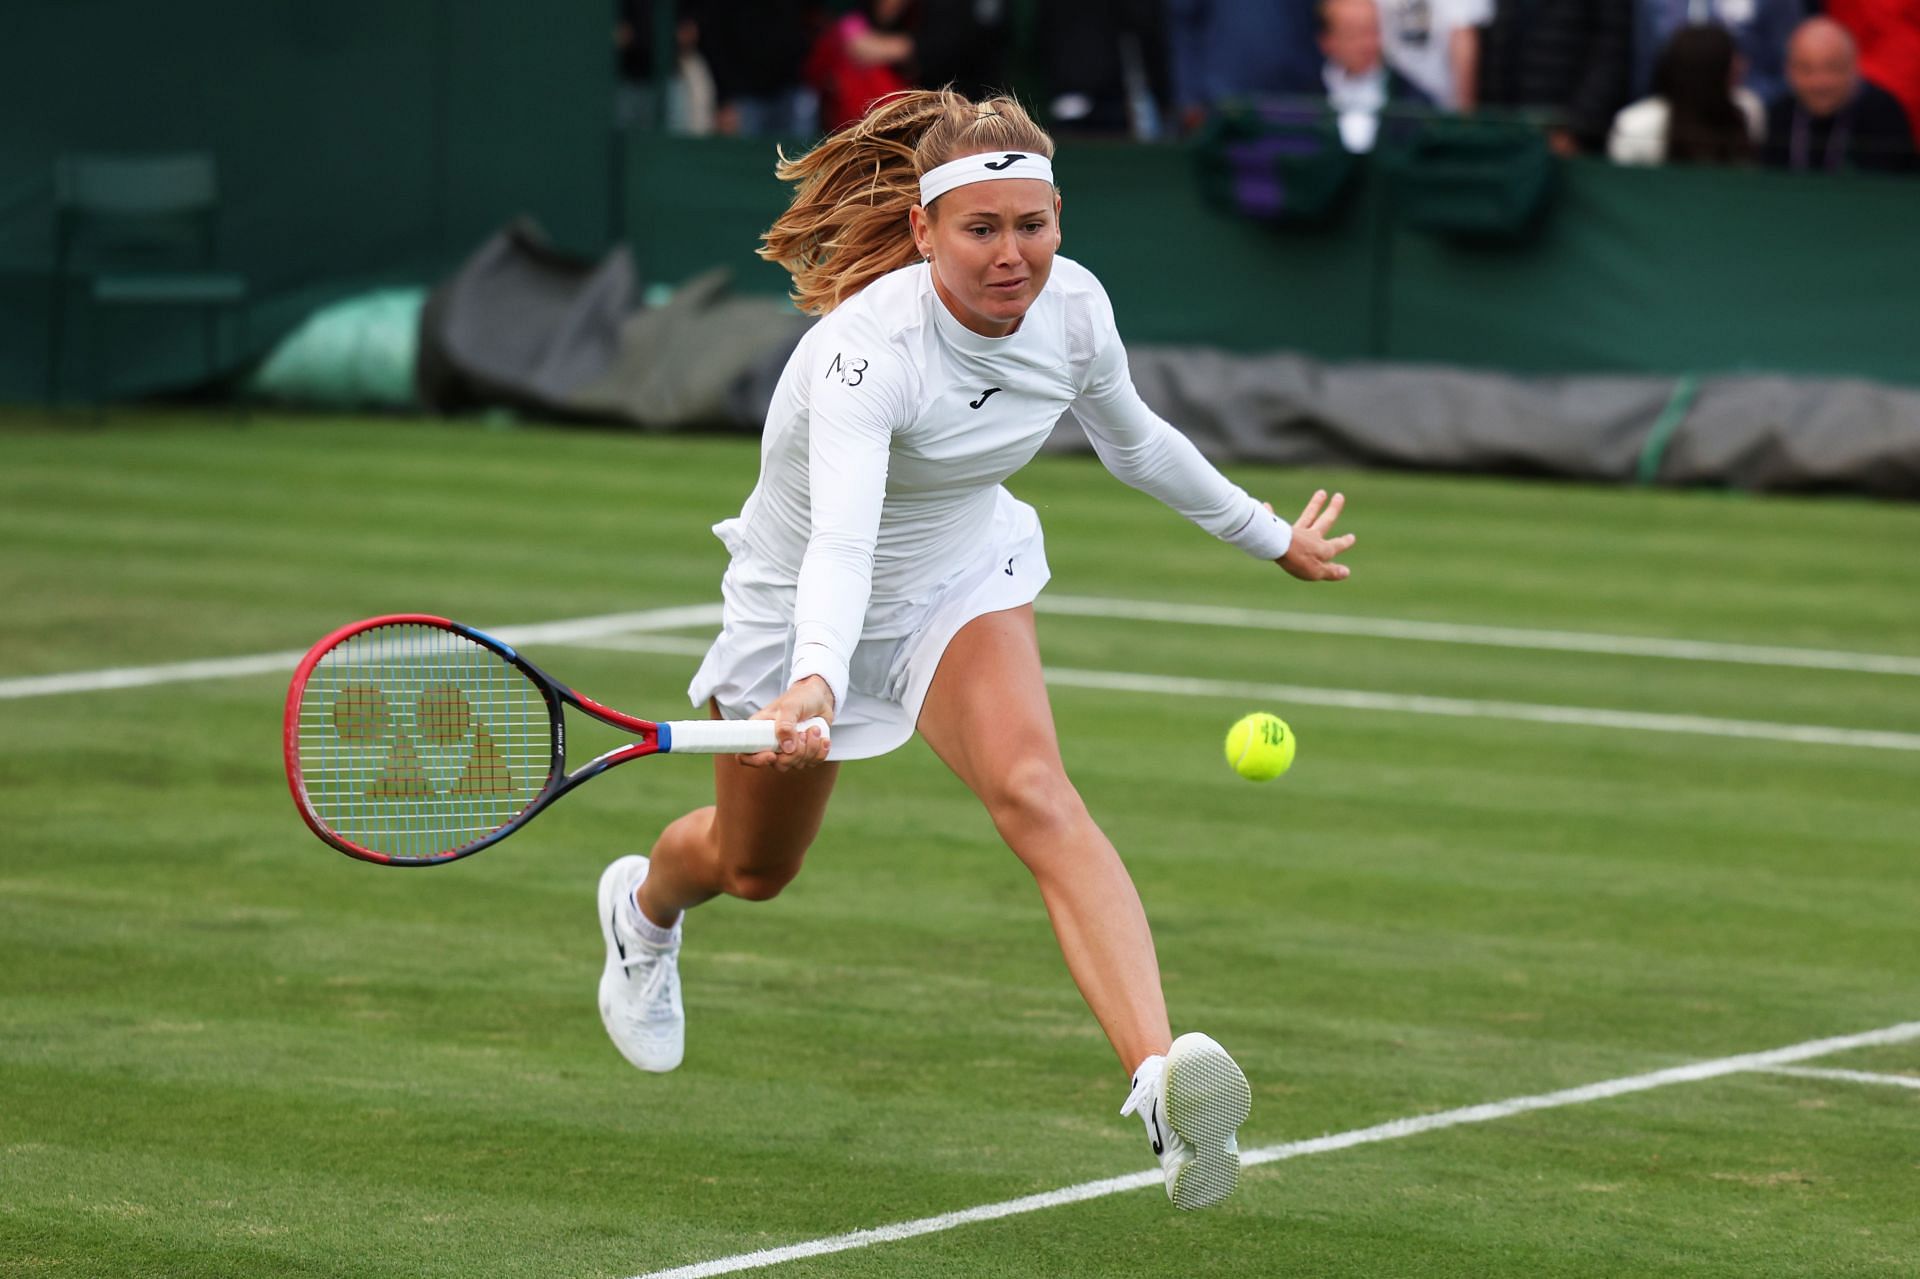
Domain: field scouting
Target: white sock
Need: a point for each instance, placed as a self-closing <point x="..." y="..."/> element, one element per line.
<point x="1145" y="1076"/>
<point x="648" y="931"/>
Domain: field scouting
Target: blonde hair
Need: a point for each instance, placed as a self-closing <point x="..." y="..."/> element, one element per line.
<point x="847" y="224"/>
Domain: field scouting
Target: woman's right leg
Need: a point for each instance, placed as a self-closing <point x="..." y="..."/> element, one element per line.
<point x="748" y="843"/>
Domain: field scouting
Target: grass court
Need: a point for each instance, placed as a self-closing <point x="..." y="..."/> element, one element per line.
<point x="228" y="1051"/>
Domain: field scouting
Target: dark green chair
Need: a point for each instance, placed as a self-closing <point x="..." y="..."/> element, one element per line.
<point x="136" y="231"/>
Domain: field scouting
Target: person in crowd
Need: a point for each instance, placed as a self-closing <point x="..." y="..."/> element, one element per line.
<point x="1104" y="63"/>
<point x="1359" y="83"/>
<point x="861" y="57"/>
<point x="1571" y="59"/>
<point x="1699" y="113"/>
<point x="689" y="94"/>
<point x="965" y="44"/>
<point x="1760" y="30"/>
<point x="1436" y="45"/>
<point x="1887" y="34"/>
<point x="1834" y="118"/>
<point x="1227" y="49"/>
<point x="756" y="50"/>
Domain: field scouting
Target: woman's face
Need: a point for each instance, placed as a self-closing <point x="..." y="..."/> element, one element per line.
<point x="991" y="245"/>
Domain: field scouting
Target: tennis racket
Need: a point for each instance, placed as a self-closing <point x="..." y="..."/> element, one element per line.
<point x="412" y="740"/>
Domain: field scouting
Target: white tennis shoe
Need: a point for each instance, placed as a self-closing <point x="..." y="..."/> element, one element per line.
<point x="640" y="986"/>
<point x="1192" y="1100"/>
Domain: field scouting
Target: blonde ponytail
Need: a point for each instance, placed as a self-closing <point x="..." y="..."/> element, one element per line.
<point x="847" y="223"/>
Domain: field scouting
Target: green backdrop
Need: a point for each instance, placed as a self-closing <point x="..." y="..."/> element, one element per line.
<point x="373" y="142"/>
<point x="359" y="142"/>
<point x="1633" y="270"/>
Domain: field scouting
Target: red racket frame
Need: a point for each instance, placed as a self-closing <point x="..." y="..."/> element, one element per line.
<point x="556" y="695"/>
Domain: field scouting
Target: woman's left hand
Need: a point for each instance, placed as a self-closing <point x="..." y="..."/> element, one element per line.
<point x="1310" y="557"/>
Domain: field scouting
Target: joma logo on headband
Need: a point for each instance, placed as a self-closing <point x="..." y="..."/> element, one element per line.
<point x="1011" y="157"/>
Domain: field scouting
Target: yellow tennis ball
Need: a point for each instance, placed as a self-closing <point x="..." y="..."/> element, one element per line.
<point x="1260" y="747"/>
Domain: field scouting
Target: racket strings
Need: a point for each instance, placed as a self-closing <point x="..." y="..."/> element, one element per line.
<point x="415" y="742"/>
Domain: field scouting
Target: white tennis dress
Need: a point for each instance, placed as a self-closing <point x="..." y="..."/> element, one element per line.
<point x="879" y="526"/>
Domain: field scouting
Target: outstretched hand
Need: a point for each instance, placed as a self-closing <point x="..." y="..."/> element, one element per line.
<point x="1310" y="557"/>
<point x="806" y="699"/>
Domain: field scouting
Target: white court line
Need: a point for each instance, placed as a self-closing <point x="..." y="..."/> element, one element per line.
<point x="1846" y="1076"/>
<point x="1494" y="636"/>
<point x="565" y="632"/>
<point x="1355" y="699"/>
<point x="1590" y="717"/>
<point x="617" y="631"/>
<point x="571" y="630"/>
<point x="1392" y="1130"/>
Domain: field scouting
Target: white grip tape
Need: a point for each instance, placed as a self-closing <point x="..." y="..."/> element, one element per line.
<point x="729" y="736"/>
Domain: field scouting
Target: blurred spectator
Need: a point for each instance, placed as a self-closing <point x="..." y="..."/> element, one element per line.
<point x="1105" y="65"/>
<point x="860" y="58"/>
<point x="1359" y="83"/>
<point x="1226" y="49"/>
<point x="689" y="96"/>
<point x="1887" y="33"/>
<point x="1833" y="118"/>
<point x="1436" y="44"/>
<point x="1760" y="29"/>
<point x="1572" y="58"/>
<point x="964" y="43"/>
<point x="756" y="50"/>
<point x="1699" y="113"/>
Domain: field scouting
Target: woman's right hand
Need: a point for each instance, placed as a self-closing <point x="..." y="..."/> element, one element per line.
<point x="807" y="699"/>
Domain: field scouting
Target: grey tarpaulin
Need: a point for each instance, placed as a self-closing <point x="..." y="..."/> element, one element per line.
<point x="523" y="325"/>
<point x="1787" y="433"/>
<point x="1761" y="433"/>
<point x="704" y="358"/>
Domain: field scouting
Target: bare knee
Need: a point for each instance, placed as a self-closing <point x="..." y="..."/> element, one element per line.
<point x="755" y="866"/>
<point x="756" y="883"/>
<point x="1034" y="807"/>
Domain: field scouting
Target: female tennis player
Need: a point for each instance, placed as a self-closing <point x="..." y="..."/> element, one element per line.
<point x="883" y="580"/>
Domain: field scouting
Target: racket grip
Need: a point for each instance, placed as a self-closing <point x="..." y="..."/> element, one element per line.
<point x="726" y="736"/>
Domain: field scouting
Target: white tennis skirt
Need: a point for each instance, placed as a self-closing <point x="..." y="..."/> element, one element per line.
<point x="888" y="677"/>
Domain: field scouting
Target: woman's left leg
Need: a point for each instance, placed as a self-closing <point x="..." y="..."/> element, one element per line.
<point x="987" y="717"/>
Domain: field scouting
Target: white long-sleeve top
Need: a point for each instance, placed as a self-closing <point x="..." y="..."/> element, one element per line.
<point x="893" y="426"/>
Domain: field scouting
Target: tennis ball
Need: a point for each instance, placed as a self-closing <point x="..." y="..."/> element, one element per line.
<point x="1260" y="747"/>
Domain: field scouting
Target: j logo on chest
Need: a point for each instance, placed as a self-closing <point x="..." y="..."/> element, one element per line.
<point x="974" y="404"/>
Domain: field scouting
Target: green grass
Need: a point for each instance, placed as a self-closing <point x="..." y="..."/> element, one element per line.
<point x="225" y="1051"/>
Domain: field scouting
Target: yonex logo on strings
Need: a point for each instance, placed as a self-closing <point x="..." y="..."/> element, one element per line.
<point x="443" y="719"/>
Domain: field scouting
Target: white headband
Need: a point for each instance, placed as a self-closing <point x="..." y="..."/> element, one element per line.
<point x="989" y="167"/>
